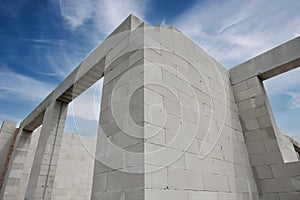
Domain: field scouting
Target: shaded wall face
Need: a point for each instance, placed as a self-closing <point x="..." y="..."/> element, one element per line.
<point x="73" y="178"/>
<point x="74" y="173"/>
<point x="119" y="161"/>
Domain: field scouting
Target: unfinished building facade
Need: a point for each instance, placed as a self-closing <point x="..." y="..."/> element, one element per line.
<point x="174" y="124"/>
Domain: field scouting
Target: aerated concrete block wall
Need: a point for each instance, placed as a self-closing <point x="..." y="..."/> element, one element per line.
<point x="276" y="167"/>
<point x="196" y="149"/>
<point x="6" y="134"/>
<point x="174" y="124"/>
<point x="15" y="181"/>
<point x="199" y="150"/>
<point x="169" y="126"/>
<point x="74" y="173"/>
<point x="119" y="161"/>
<point x="42" y="175"/>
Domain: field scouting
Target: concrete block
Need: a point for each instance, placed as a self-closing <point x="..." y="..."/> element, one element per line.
<point x="203" y="195"/>
<point x="229" y="196"/>
<point x="99" y="182"/>
<point x="153" y="70"/>
<point x="155" y="57"/>
<point x="155" y="114"/>
<point x="177" y="83"/>
<point x="256" y="147"/>
<point x="172" y="106"/>
<point x="172" y="123"/>
<point x="246" y="105"/>
<point x="184" y="180"/>
<point x="286" y="169"/>
<point x="189" y="114"/>
<point x="260" y="100"/>
<point x="124" y="140"/>
<point x="251" y="124"/>
<point x="270" y="196"/>
<point x="154" y="134"/>
<point x="117" y="180"/>
<point x="157" y="179"/>
<point x="279" y="185"/>
<point x="250" y="196"/>
<point x="167" y="156"/>
<point x="271" y="145"/>
<point x="256" y="135"/>
<point x="254" y="113"/>
<point x="253" y="82"/>
<point x="223" y="167"/>
<point x="13" y="182"/>
<point x="135" y="194"/>
<point x="108" y="195"/>
<point x="249" y="93"/>
<point x="214" y="182"/>
<point x="239" y="87"/>
<point x="159" y="194"/>
<point x="152" y="98"/>
<point x="289" y="196"/>
<point x="187" y="101"/>
<point x="264" y="121"/>
<point x="239" y="185"/>
<point x="264" y="172"/>
<point x="265" y="158"/>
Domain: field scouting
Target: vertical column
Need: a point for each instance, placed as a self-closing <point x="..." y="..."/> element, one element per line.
<point x="118" y="168"/>
<point x="6" y="135"/>
<point x="15" y="179"/>
<point x="276" y="180"/>
<point x="256" y="122"/>
<point x="44" y="165"/>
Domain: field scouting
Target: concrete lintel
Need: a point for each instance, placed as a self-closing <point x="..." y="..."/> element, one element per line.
<point x="84" y="76"/>
<point x="269" y="64"/>
<point x="35" y="118"/>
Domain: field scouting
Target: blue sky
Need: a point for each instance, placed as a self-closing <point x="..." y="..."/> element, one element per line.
<point x="43" y="41"/>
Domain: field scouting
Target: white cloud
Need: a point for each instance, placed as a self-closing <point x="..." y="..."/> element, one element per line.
<point x="61" y="57"/>
<point x="14" y="85"/>
<point x="294" y="103"/>
<point x="5" y="116"/>
<point x="64" y="60"/>
<point x="47" y="73"/>
<point x="76" y="12"/>
<point x="105" y="15"/>
<point x="233" y="31"/>
<point x="42" y="41"/>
